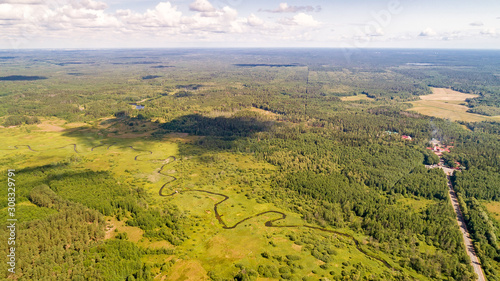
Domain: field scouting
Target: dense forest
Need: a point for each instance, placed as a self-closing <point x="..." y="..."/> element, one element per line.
<point x="68" y="244"/>
<point x="332" y="131"/>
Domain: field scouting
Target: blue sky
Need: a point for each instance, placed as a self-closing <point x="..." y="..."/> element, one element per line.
<point x="245" y="23"/>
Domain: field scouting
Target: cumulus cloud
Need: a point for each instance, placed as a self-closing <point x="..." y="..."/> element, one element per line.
<point x="201" y="6"/>
<point x="253" y="20"/>
<point x="65" y="19"/>
<point x="225" y="20"/>
<point x="285" y="8"/>
<point x="301" y="19"/>
<point x="477" y="23"/>
<point x="70" y="19"/>
<point x="428" y="32"/>
<point x="163" y="15"/>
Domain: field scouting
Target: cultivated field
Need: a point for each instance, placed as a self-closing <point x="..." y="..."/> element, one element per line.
<point x="446" y="104"/>
<point x="443" y="94"/>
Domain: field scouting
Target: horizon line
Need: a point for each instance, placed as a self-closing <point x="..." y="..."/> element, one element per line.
<point x="254" y="47"/>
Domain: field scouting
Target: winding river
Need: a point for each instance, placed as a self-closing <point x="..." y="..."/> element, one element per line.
<point x="270" y="223"/>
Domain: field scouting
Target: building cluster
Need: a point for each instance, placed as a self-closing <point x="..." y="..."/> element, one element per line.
<point x="438" y="150"/>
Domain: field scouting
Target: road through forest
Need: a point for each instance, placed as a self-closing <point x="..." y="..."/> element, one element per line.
<point x="463" y="228"/>
<point x="469" y="247"/>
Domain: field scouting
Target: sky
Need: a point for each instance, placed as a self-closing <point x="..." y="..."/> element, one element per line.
<point x="83" y="24"/>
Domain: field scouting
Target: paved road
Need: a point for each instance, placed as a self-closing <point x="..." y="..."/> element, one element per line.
<point x="463" y="228"/>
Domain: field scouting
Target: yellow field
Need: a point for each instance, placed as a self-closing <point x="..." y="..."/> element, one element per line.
<point x="494" y="209"/>
<point x="443" y="94"/>
<point x="445" y="103"/>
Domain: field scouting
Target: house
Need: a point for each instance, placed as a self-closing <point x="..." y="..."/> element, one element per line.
<point x="405" y="137"/>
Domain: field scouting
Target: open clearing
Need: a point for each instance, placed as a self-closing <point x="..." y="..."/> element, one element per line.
<point x="355" y="98"/>
<point x="494" y="209"/>
<point x="445" y="103"/>
<point x="443" y="94"/>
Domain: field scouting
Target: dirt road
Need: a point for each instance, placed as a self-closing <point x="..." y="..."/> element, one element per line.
<point x="460" y="218"/>
<point x="463" y="228"/>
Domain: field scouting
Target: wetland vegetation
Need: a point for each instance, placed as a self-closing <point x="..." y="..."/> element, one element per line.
<point x="232" y="169"/>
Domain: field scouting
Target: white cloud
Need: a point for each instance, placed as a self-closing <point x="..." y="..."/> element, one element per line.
<point x="91" y="5"/>
<point x="285" y="8"/>
<point x="301" y="19"/>
<point x="201" y="6"/>
<point x="10" y="12"/>
<point x="27" y="2"/>
<point x="83" y="14"/>
<point x="253" y="20"/>
<point x="229" y="14"/>
<point x="72" y="21"/>
<point x="428" y="32"/>
<point x="477" y="23"/>
<point x="163" y="15"/>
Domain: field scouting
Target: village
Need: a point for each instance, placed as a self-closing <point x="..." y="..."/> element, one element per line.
<point x="438" y="148"/>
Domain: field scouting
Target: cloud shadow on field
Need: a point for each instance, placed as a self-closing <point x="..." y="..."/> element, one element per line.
<point x="217" y="133"/>
<point x="211" y="134"/>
